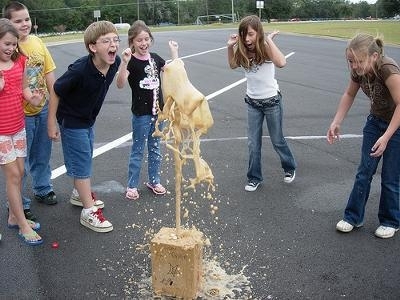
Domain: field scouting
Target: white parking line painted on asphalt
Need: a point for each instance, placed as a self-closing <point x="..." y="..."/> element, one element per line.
<point x="303" y="137"/>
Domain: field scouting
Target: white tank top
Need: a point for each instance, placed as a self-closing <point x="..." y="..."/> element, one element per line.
<point x="261" y="82"/>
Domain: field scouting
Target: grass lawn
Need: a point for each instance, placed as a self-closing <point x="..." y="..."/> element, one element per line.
<point x="389" y="30"/>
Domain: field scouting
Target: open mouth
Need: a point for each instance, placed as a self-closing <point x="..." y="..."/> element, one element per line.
<point x="143" y="50"/>
<point x="250" y="47"/>
<point x="112" y="55"/>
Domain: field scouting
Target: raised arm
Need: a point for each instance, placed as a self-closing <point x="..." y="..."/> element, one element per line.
<point x="173" y="47"/>
<point x="275" y="55"/>
<point x="123" y="72"/>
<point x="232" y="41"/>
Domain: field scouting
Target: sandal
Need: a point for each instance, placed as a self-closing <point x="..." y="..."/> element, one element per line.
<point x="35" y="226"/>
<point x="157" y="188"/>
<point x="32" y="238"/>
<point x="132" y="193"/>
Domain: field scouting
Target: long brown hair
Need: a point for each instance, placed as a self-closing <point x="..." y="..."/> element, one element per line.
<point x="240" y="56"/>
<point x="7" y="27"/>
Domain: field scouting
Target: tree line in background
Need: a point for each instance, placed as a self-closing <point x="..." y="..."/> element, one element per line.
<point x="76" y="15"/>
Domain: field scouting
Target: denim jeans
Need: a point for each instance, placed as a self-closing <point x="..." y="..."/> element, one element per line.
<point x="255" y="118"/>
<point x="389" y="213"/>
<point x="37" y="162"/>
<point x="77" y="145"/>
<point x="142" y="131"/>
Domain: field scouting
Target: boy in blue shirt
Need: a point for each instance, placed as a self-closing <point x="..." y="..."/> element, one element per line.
<point x="78" y="96"/>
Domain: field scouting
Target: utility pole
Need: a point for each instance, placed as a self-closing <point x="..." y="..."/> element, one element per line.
<point x="233" y="13"/>
<point x="178" y="11"/>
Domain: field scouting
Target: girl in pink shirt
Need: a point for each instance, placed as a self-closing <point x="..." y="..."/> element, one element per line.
<point x="13" y="89"/>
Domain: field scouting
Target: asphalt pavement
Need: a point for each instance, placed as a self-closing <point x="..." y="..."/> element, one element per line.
<point x="278" y="242"/>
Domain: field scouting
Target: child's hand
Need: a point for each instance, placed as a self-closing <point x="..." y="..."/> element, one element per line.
<point x="2" y="82"/>
<point x="272" y="34"/>
<point x="173" y="47"/>
<point x="333" y="133"/>
<point x="233" y="39"/>
<point x="37" y="96"/>
<point x="126" y="55"/>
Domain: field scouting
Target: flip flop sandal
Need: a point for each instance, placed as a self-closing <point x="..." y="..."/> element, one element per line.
<point x="27" y="238"/>
<point x="157" y="189"/>
<point x="35" y="226"/>
<point x="132" y="193"/>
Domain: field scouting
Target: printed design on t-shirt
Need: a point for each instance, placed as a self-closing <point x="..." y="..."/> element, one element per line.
<point x="253" y="67"/>
<point x="35" y="72"/>
<point x="151" y="81"/>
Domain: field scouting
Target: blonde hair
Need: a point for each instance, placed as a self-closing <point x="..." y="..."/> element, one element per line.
<point x="96" y="30"/>
<point x="364" y="44"/>
<point x="240" y="55"/>
<point x="136" y="28"/>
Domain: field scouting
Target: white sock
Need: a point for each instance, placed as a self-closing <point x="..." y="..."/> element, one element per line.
<point x="86" y="211"/>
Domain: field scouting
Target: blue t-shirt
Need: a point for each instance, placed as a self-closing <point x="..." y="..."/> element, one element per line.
<point x="82" y="89"/>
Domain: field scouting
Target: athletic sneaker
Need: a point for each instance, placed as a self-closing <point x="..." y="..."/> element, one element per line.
<point x="289" y="176"/>
<point x="385" y="232"/>
<point x="96" y="221"/>
<point x="251" y="186"/>
<point x="29" y="215"/>
<point x="75" y="200"/>
<point x="344" y="226"/>
<point x="49" y="199"/>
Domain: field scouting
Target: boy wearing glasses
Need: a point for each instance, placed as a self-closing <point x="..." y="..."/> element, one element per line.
<point x="78" y="96"/>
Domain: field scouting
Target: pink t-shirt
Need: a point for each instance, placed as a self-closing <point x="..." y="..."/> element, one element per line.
<point x="11" y="110"/>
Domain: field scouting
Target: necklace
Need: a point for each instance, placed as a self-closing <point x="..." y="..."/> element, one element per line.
<point x="155" y="107"/>
<point x="371" y="90"/>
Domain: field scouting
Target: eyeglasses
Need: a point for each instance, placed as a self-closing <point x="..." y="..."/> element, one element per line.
<point x="107" y="41"/>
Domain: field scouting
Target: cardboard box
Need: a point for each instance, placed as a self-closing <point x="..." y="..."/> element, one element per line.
<point x="176" y="262"/>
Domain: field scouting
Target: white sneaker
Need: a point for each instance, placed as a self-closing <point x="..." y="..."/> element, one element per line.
<point x="75" y="200"/>
<point x="385" y="232"/>
<point x="289" y="176"/>
<point x="344" y="226"/>
<point x="96" y="221"/>
<point x="251" y="186"/>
